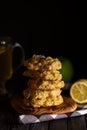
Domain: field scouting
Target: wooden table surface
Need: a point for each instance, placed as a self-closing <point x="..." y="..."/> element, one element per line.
<point x="9" y="118"/>
<point x="9" y="121"/>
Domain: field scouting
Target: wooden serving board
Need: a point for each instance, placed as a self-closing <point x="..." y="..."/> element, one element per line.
<point x="67" y="106"/>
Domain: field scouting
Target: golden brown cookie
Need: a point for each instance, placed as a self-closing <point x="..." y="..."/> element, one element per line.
<point x="44" y="102"/>
<point x="40" y="62"/>
<point x="38" y="94"/>
<point x="45" y="84"/>
<point x="44" y="75"/>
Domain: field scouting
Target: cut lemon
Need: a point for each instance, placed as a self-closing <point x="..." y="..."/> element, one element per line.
<point x="78" y="91"/>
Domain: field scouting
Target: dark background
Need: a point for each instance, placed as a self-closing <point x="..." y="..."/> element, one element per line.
<point x="48" y="30"/>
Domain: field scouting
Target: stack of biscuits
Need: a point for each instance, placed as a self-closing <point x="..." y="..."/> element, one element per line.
<point x="45" y="82"/>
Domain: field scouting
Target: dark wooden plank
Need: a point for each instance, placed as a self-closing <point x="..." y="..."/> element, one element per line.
<point x="60" y="124"/>
<point x="77" y="123"/>
<point x="39" y="126"/>
<point x="21" y="127"/>
<point x="86" y="119"/>
<point x="16" y="127"/>
<point x="4" y="127"/>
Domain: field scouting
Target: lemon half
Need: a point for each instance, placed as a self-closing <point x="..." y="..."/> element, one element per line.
<point x="78" y="91"/>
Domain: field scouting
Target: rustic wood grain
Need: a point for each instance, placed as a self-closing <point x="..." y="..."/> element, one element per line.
<point x="59" y="124"/>
<point x="67" y="106"/>
<point x="40" y="126"/>
<point x="77" y="123"/>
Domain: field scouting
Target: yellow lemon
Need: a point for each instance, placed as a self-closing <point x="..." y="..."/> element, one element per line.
<point x="78" y="91"/>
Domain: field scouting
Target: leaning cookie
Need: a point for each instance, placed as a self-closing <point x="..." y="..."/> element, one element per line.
<point x="45" y="75"/>
<point x="45" y="84"/>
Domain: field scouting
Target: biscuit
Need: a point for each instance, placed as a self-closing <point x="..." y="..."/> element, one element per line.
<point x="45" y="75"/>
<point x="40" y="94"/>
<point x="45" y="82"/>
<point x="45" y="85"/>
<point x="40" y="62"/>
<point x="45" y="102"/>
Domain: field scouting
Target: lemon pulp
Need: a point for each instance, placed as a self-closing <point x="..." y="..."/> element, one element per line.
<point x="78" y="91"/>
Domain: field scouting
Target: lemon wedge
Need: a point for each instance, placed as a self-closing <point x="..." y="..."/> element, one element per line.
<point x="78" y="91"/>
